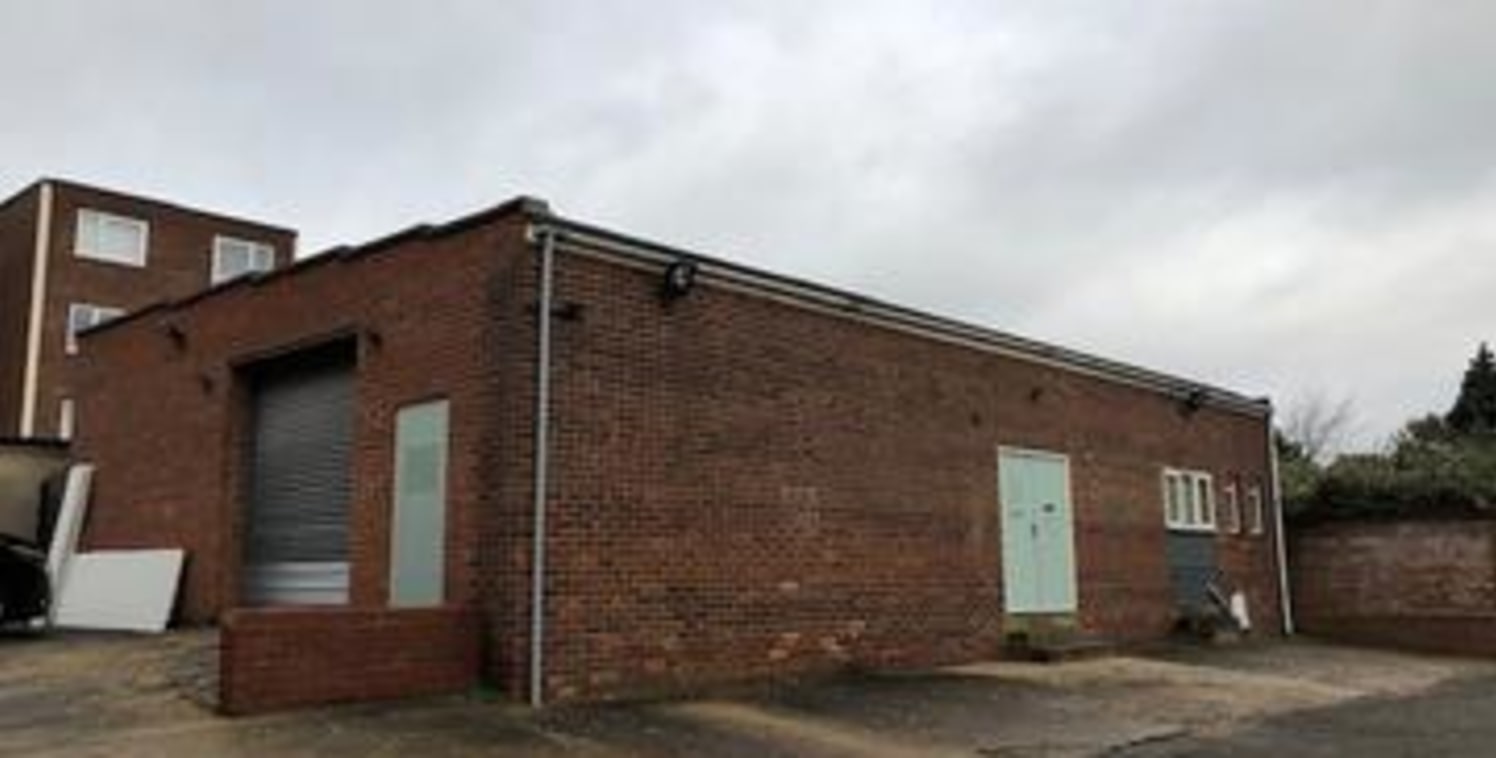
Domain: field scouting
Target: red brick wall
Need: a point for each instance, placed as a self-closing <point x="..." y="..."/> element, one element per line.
<point x="741" y="487"/>
<point x="17" y="256"/>
<point x="282" y="658"/>
<point x="177" y="265"/>
<point x="166" y="423"/>
<point x="505" y="534"/>
<point x="744" y="487"/>
<point x="1427" y="585"/>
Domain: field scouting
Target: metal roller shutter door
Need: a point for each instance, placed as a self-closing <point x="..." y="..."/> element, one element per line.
<point x="296" y="539"/>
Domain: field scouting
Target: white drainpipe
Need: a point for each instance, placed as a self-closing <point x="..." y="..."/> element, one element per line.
<point x="1284" y="596"/>
<point x="542" y="461"/>
<point x="30" y="386"/>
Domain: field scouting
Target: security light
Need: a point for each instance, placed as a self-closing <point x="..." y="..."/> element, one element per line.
<point x="680" y="278"/>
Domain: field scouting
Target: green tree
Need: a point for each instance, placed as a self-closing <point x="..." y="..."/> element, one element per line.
<point x="1474" y="412"/>
<point x="1428" y="430"/>
<point x="1298" y="473"/>
<point x="1435" y="464"/>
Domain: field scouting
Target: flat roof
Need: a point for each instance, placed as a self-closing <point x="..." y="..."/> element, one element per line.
<point x="615" y="243"/>
<point x="863" y="305"/>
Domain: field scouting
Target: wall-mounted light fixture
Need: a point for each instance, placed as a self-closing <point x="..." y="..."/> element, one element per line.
<point x="679" y="280"/>
<point x="1193" y="402"/>
<point x="177" y="335"/>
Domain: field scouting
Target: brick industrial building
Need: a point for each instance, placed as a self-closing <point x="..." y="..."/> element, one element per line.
<point x="73" y="256"/>
<point x="383" y="461"/>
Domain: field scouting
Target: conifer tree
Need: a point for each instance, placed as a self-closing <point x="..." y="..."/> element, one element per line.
<point x="1474" y="412"/>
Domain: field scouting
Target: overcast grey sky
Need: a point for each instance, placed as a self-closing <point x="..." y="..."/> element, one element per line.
<point x="1283" y="197"/>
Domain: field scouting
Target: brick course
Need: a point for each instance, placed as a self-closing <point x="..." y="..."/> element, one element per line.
<point x="741" y="487"/>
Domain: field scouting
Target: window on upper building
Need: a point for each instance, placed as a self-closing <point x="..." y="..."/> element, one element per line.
<point x="233" y="258"/>
<point x="114" y="239"/>
<point x="1189" y="501"/>
<point x="83" y="316"/>
<point x="67" y="418"/>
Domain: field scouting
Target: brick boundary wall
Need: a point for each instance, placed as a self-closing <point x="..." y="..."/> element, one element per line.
<point x="1425" y="585"/>
<point x="272" y="659"/>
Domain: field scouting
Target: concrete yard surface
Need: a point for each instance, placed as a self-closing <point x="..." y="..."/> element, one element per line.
<point x="139" y="696"/>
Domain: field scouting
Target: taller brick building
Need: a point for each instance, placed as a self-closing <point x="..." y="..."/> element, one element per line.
<point x="73" y="256"/>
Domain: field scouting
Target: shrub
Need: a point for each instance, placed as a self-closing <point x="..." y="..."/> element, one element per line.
<point x="1423" y="475"/>
<point x="1437" y="465"/>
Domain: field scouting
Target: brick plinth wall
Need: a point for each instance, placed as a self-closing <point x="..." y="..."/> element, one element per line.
<point x="282" y="658"/>
<point x="1418" y="585"/>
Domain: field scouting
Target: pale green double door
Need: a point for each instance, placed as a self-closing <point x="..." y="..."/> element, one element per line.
<point x="1038" y="533"/>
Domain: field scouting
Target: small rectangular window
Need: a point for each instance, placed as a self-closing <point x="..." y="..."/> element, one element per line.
<point x="1173" y="508"/>
<point x="1189" y="500"/>
<point x="110" y="238"/>
<point x="1191" y="504"/>
<point x="1230" y="508"/>
<point x="1206" y="497"/>
<point x="82" y="316"/>
<point x="66" y="419"/>
<point x="233" y="258"/>
<point x="1255" y="516"/>
<point x="418" y="554"/>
